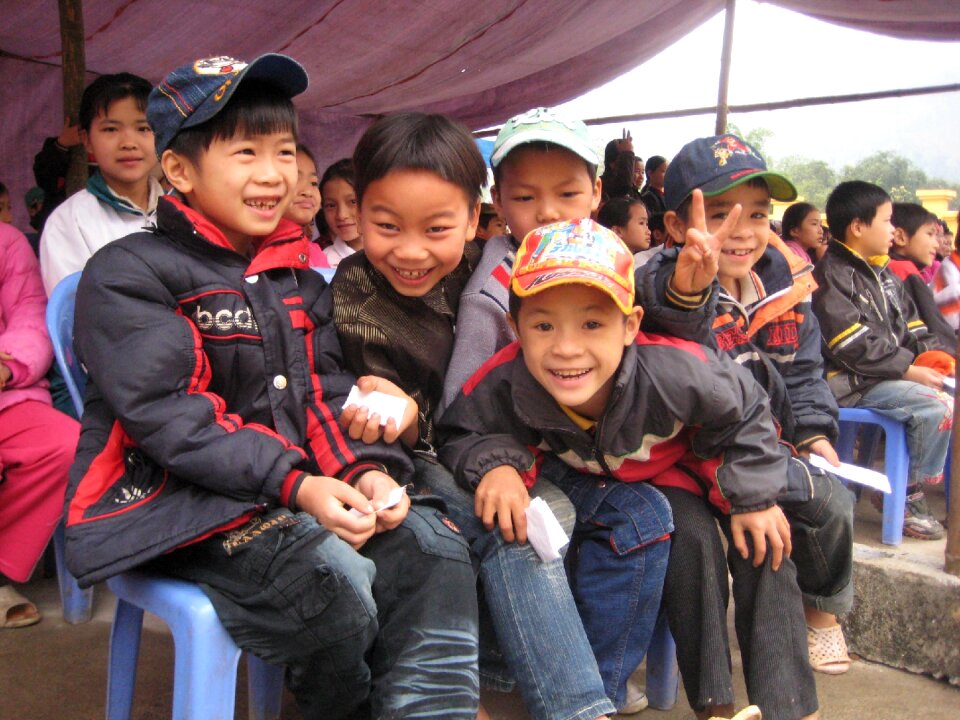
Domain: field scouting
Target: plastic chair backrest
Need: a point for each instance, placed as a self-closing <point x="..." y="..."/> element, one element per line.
<point x="60" y="309"/>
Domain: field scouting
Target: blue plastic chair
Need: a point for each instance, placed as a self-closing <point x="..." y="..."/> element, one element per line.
<point x="896" y="463"/>
<point x="77" y="603"/>
<point x="205" y="664"/>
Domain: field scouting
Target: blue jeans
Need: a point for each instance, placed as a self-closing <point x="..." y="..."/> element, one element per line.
<point x="532" y="611"/>
<point x="388" y="631"/>
<point x="927" y="413"/>
<point x="622" y="548"/>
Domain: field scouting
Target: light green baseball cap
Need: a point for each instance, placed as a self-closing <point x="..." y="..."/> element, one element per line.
<point x="543" y="125"/>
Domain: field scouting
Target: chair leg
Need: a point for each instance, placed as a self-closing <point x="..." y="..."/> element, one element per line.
<point x="122" y="664"/>
<point x="897" y="466"/>
<point x="265" y="686"/>
<point x="77" y="603"/>
<point x="663" y="676"/>
<point x="205" y="670"/>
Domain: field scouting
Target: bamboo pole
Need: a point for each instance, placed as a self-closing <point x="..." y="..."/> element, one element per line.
<point x="726" y="53"/>
<point x="74" y="69"/>
<point x="952" y="553"/>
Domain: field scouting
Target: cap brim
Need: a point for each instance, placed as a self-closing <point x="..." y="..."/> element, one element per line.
<point x="523" y="137"/>
<point x="780" y="188"/>
<point x="284" y="72"/>
<point x="546" y="278"/>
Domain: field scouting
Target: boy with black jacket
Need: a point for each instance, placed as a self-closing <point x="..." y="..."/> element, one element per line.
<point x="619" y="407"/>
<point x="210" y="449"/>
<point x="879" y="354"/>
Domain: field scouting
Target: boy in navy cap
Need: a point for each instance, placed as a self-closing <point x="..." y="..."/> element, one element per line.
<point x="735" y="287"/>
<point x="210" y="449"/>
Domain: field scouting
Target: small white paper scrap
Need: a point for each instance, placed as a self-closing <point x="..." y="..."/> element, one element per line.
<point x="854" y="473"/>
<point x="393" y="499"/>
<point x="386" y="406"/>
<point x="949" y="383"/>
<point x="543" y="530"/>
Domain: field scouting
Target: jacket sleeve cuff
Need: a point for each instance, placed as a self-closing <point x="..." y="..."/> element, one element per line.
<point x="290" y="487"/>
<point x="808" y="441"/>
<point x="752" y="508"/>
<point x="351" y="473"/>
<point x="686" y="302"/>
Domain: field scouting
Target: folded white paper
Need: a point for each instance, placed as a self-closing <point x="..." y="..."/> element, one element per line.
<point x="393" y="499"/>
<point x="949" y="383"/>
<point x="854" y="473"/>
<point x="543" y="530"/>
<point x="386" y="406"/>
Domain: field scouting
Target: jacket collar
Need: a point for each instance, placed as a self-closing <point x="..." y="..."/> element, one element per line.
<point x="285" y="247"/>
<point x="97" y="186"/>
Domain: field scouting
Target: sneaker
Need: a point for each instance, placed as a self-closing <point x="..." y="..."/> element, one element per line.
<point x="636" y="699"/>
<point x="917" y="520"/>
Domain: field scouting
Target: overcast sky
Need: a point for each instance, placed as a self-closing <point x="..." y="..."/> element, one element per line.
<point x="782" y="55"/>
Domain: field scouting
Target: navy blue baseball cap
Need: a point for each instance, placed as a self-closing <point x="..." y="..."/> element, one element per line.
<point x="717" y="164"/>
<point x="194" y="93"/>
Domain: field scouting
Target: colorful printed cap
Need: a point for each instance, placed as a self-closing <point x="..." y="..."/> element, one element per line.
<point x="543" y="125"/>
<point x="716" y="164"/>
<point x="194" y="93"/>
<point x="579" y="251"/>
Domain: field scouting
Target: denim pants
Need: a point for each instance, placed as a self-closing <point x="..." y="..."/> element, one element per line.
<point x="821" y="530"/>
<point x="768" y="617"/>
<point x="621" y="548"/>
<point x="389" y="631"/>
<point x="531" y="610"/>
<point x="928" y="415"/>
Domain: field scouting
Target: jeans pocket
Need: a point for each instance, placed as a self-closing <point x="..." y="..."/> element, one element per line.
<point x="436" y="533"/>
<point x="636" y="515"/>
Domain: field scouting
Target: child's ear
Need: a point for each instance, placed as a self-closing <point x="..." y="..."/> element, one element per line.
<point x="513" y="325"/>
<point x="495" y="197"/>
<point x="179" y="171"/>
<point x="632" y="326"/>
<point x="597" y="194"/>
<point x="85" y="141"/>
<point x="676" y="229"/>
<point x="618" y="230"/>
<point x="900" y="238"/>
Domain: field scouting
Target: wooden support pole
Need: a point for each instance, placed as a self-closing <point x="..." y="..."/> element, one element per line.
<point x="727" y="52"/>
<point x="74" y="72"/>
<point x="952" y="554"/>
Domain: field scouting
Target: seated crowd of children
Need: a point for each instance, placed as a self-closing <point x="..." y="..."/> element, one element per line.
<point x="656" y="367"/>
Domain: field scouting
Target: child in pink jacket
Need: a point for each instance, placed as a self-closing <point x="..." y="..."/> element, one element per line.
<point x="37" y="443"/>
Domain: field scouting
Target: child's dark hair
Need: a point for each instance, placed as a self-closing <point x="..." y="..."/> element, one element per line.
<point x="487" y="213"/>
<point x="3" y="189"/>
<point x="106" y="90"/>
<point x="853" y="200"/>
<point x="543" y="147"/>
<point x="418" y="141"/>
<point x="301" y="148"/>
<point x="255" y="108"/>
<point x="616" y="212"/>
<point x="655" y="222"/>
<point x="683" y="211"/>
<point x="653" y="163"/>
<point x="910" y="217"/>
<point x="340" y="170"/>
<point x="794" y="216"/>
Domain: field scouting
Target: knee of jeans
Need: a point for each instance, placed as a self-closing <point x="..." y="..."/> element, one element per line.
<point x="333" y="596"/>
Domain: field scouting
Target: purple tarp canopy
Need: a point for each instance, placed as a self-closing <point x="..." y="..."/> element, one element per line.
<point x="479" y="62"/>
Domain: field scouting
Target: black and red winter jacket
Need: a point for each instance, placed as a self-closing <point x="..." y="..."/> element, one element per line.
<point x="215" y="383"/>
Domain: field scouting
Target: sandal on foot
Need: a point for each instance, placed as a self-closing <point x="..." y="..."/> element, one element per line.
<point x="15" y="610"/>
<point x="828" y="650"/>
